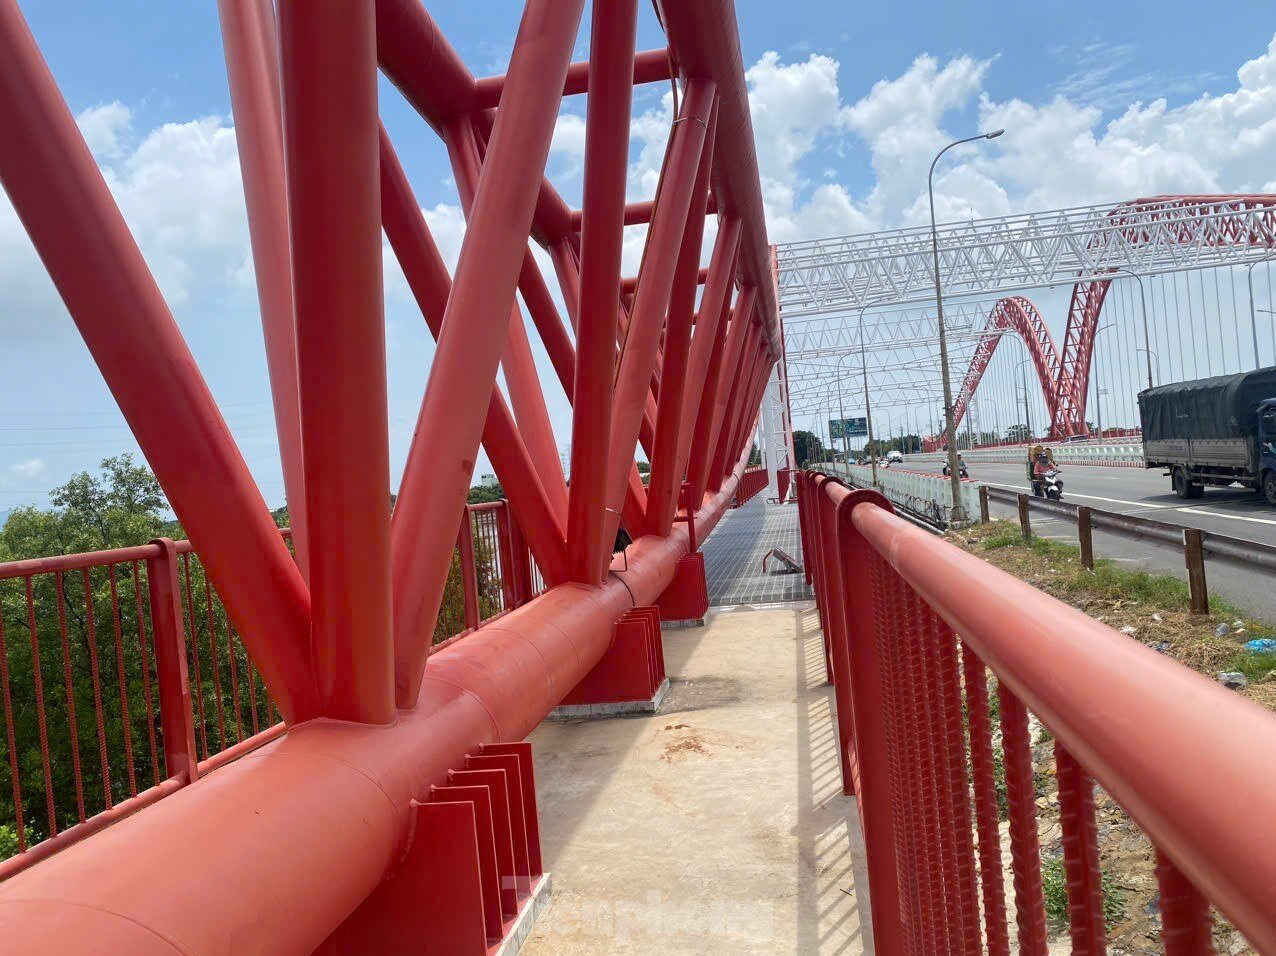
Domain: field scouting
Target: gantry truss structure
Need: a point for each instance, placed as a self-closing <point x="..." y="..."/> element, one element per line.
<point x="826" y="286"/>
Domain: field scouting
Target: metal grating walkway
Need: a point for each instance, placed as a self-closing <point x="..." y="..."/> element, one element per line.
<point x="733" y="555"/>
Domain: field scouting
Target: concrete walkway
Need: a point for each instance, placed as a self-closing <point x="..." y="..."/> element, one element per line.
<point x="715" y="826"/>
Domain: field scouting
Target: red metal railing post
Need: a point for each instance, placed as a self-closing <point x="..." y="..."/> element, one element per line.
<point x="835" y="601"/>
<point x="1080" y="855"/>
<point x="505" y="555"/>
<point x="169" y="635"/>
<point x="1186" y="925"/>
<point x="469" y="570"/>
<point x="1025" y="851"/>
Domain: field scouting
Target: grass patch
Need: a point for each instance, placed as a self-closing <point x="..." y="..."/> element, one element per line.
<point x="1054" y="883"/>
<point x="1151" y="608"/>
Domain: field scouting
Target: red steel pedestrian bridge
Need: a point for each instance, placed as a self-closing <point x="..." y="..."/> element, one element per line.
<point x="330" y="751"/>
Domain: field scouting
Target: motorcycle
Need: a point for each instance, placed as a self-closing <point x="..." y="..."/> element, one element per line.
<point x="1050" y="485"/>
<point x="965" y="472"/>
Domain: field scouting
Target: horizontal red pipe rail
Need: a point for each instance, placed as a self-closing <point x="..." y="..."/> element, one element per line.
<point x="650" y="66"/>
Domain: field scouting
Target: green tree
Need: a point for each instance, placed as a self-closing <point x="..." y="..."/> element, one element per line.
<point x="807" y="447"/>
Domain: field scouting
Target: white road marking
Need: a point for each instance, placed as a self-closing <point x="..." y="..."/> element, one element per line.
<point x="1224" y="514"/>
<point x="1119" y="501"/>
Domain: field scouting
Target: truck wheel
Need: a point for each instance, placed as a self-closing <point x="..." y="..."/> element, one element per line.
<point x="1180" y="483"/>
<point x="1269" y="487"/>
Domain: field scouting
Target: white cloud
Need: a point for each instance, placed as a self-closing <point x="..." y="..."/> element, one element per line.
<point x="1074" y="148"/>
<point x="180" y="192"/>
<point x="104" y="128"/>
<point x="31" y="468"/>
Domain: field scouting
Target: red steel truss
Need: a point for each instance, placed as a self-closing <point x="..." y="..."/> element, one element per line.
<point x="1015" y="314"/>
<point x="1066" y="386"/>
<point x="342" y="634"/>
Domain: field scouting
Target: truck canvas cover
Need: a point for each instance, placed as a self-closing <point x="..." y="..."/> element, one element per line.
<point x="1219" y="407"/>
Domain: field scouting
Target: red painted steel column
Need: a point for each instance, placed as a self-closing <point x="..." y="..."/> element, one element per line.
<point x="638" y="357"/>
<point x="714" y="406"/>
<point x="662" y="497"/>
<point x="746" y="414"/>
<point x="427" y="276"/>
<point x="66" y="208"/>
<point x="169" y="637"/>
<point x="611" y="54"/>
<point x="329" y="57"/>
<point x="441" y="460"/>
<point x="526" y="395"/>
<point x="540" y="306"/>
<point x="251" y="43"/>
<point x="709" y="320"/>
<point x="567" y="270"/>
<point x="741" y="378"/>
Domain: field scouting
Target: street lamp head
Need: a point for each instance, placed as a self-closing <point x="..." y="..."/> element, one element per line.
<point x="994" y="134"/>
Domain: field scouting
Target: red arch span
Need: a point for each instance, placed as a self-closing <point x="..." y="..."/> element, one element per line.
<point x="1065" y="387"/>
<point x="1015" y="313"/>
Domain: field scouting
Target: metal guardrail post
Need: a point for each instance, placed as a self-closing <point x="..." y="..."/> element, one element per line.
<point x="169" y="636"/>
<point x="1084" y="537"/>
<point x="983" y="504"/>
<point x="1025" y="523"/>
<point x="469" y="571"/>
<point x="1194" y="557"/>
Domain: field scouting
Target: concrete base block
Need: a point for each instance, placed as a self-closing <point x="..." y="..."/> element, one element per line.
<point x="614" y="709"/>
<point x="516" y="934"/>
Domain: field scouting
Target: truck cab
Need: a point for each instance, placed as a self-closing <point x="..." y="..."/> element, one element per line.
<point x="1267" y="449"/>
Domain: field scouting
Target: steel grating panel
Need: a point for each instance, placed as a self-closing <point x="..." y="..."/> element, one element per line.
<point x="733" y="556"/>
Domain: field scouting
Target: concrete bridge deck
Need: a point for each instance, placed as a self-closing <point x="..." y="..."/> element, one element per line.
<point x="717" y="825"/>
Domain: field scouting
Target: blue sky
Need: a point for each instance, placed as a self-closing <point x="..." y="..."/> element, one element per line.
<point x="846" y="107"/>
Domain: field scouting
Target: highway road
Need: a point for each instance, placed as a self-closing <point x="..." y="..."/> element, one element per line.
<point x="1236" y="511"/>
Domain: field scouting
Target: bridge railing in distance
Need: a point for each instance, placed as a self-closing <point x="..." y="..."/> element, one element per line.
<point x="753" y="481"/>
<point x="913" y="628"/>
<point x="121" y="679"/>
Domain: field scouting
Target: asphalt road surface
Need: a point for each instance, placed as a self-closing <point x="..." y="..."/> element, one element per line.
<point x="1234" y="511"/>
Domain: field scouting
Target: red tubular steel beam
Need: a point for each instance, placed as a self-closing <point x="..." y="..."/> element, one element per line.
<point x="713" y="305"/>
<point x="251" y="43"/>
<point x="1128" y="722"/>
<point x="567" y="271"/>
<point x="75" y="226"/>
<point x="300" y="793"/>
<point x="629" y="285"/>
<point x="427" y="276"/>
<point x="519" y="366"/>
<point x="441" y="460"/>
<point x="637" y="214"/>
<point x="705" y="42"/>
<point x="722" y="365"/>
<point x="677" y="346"/>
<point x="649" y="66"/>
<point x="540" y="306"/>
<point x="606" y="168"/>
<point x="330" y="95"/>
<point x="731" y="402"/>
<point x="633" y="380"/>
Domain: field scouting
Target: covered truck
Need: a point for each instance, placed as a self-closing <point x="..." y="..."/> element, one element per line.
<point x="1213" y="431"/>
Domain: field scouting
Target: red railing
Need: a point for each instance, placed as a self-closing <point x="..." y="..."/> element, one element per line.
<point x="122" y="680"/>
<point x="910" y="654"/>
<point x="752" y="481"/>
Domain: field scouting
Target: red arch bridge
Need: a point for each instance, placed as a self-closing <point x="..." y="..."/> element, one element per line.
<point x="377" y="794"/>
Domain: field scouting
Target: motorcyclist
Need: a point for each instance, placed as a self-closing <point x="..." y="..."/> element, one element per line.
<point x="1042" y="465"/>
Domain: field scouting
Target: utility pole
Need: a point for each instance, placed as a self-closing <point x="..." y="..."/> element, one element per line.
<point x="950" y="427"/>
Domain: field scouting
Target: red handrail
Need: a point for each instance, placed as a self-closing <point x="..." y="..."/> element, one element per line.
<point x="1186" y="758"/>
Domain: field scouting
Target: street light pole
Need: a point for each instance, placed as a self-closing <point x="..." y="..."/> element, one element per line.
<point x="1023" y="378"/>
<point x="950" y="428"/>
<point x="1098" y="389"/>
